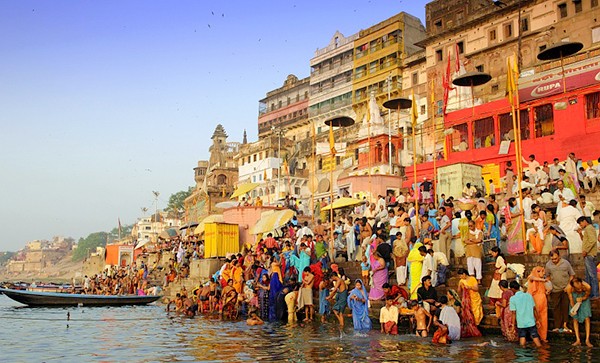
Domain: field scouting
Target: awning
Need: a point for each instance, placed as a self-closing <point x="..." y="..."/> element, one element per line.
<point x="273" y="221"/>
<point x="168" y="233"/>
<point x="243" y="189"/>
<point x="214" y="218"/>
<point x="188" y="225"/>
<point x="142" y="243"/>
<point x="342" y="203"/>
<point x="227" y="204"/>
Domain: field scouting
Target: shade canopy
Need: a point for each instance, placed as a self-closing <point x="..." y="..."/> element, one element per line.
<point x="168" y="233"/>
<point x="343" y="121"/>
<point x="214" y="218"/>
<point x="227" y="204"/>
<point x="471" y="79"/>
<point x="342" y="203"/>
<point x="243" y="189"/>
<point x="398" y="104"/>
<point x="142" y="243"/>
<point x="559" y="50"/>
<point x="272" y="221"/>
<point x="188" y="225"/>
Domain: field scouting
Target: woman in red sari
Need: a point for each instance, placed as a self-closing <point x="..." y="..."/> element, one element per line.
<point x="507" y="323"/>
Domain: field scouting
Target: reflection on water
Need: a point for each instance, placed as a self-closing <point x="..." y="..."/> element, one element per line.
<point x="149" y="334"/>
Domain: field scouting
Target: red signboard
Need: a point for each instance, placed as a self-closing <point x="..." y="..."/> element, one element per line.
<point x="577" y="75"/>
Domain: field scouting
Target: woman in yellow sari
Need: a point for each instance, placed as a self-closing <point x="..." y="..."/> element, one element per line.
<point x="276" y="268"/>
<point x="469" y="284"/>
<point x="416" y="266"/>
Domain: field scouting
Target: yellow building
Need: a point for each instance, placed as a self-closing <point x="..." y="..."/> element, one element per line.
<point x="379" y="54"/>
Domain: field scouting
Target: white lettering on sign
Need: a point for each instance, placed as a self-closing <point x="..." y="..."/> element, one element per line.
<point x="545" y="89"/>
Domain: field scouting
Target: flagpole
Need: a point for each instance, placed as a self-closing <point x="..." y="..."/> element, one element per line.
<point x="434" y="145"/>
<point x="414" y="147"/>
<point x="516" y="119"/>
<point x="314" y="172"/>
<point x="332" y="152"/>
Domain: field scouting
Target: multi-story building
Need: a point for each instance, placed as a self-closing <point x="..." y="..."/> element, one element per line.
<point x="331" y="80"/>
<point x="554" y="111"/>
<point x="284" y="108"/>
<point x="379" y="54"/>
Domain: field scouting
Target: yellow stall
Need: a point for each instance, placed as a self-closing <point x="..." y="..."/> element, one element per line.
<point x="221" y="239"/>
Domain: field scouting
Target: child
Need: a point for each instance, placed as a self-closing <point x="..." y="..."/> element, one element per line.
<point x="523" y="308"/>
<point x="422" y="318"/>
<point x="365" y="267"/>
<point x="388" y="317"/>
<point x="535" y="235"/>
<point x="254" y="319"/>
<point x="324" y="306"/>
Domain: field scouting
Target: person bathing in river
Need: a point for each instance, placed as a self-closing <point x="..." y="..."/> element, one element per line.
<point x="422" y="319"/>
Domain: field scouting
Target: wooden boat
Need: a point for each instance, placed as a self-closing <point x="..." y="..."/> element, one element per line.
<point x="49" y="299"/>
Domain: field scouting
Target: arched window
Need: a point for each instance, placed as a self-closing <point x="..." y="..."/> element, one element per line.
<point x="378" y="152"/>
<point x="221" y="179"/>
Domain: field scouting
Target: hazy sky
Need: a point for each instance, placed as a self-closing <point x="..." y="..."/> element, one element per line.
<point x="102" y="102"/>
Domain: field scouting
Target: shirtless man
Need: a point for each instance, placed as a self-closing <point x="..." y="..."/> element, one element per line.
<point x="203" y="295"/>
<point x="423" y="319"/>
<point x="339" y="292"/>
<point x="212" y="295"/>
<point x="308" y="279"/>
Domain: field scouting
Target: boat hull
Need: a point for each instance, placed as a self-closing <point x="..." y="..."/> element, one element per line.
<point x="50" y="299"/>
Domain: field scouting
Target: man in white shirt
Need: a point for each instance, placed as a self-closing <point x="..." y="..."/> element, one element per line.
<point x="541" y="179"/>
<point x="590" y="177"/>
<point x="527" y="203"/>
<point x="587" y="208"/>
<point x="401" y="198"/>
<point x="532" y="165"/>
<point x="554" y="174"/>
<point x="469" y="191"/>
<point x="562" y="195"/>
<point x="445" y="236"/>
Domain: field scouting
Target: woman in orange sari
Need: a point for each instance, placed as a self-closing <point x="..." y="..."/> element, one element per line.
<point x="472" y="311"/>
<point x="236" y="276"/>
<point x="536" y="287"/>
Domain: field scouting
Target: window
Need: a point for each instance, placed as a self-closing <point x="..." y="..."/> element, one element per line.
<point x="592" y="105"/>
<point x="524" y="24"/>
<point x="483" y="133"/>
<point x="492" y="35"/>
<point x="289" y="101"/>
<point x="578" y="6"/>
<point x="461" y="47"/>
<point x="596" y="35"/>
<point x="423" y="109"/>
<point x="479" y="68"/>
<point x="508" y="30"/>
<point x="544" y="120"/>
<point x="494" y="88"/>
<point x="438" y="24"/>
<point x="562" y="10"/>
<point x="460" y="137"/>
<point x="594" y="3"/>
<point x="320" y="164"/>
<point x="415" y="79"/>
<point x="439" y="55"/>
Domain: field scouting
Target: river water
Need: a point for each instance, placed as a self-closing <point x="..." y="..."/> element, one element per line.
<point x="149" y="334"/>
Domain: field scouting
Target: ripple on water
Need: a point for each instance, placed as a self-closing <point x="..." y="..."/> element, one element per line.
<point x="149" y="334"/>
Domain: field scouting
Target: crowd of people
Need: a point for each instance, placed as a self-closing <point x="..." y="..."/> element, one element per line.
<point x="405" y="248"/>
<point x="125" y="280"/>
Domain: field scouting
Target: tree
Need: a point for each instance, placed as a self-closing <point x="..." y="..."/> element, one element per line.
<point x="175" y="204"/>
<point x="125" y="231"/>
<point x="87" y="245"/>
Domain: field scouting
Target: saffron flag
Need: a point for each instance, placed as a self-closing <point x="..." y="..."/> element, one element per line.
<point x="331" y="141"/>
<point x="511" y="79"/>
<point x="447" y="84"/>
